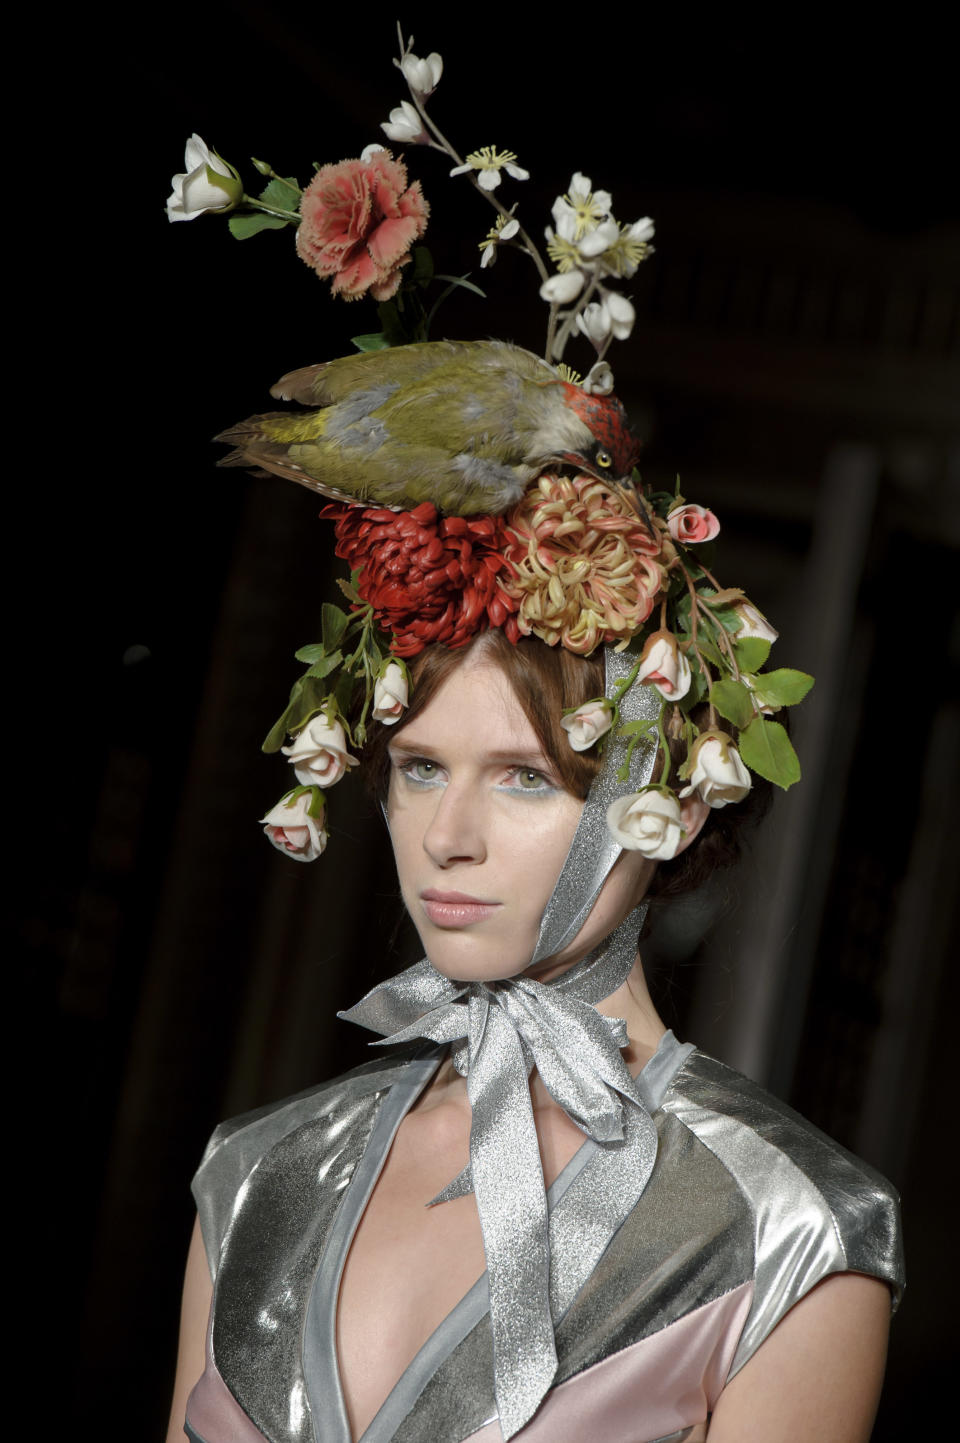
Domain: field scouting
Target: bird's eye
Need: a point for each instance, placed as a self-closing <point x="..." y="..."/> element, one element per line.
<point x="604" y="459"/>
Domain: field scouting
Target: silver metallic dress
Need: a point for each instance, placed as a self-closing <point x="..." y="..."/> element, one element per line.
<point x="663" y="1282"/>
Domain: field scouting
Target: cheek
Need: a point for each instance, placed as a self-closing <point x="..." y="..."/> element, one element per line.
<point x="623" y="890"/>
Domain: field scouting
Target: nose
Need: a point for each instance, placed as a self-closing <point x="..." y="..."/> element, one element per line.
<point x="456" y="832"/>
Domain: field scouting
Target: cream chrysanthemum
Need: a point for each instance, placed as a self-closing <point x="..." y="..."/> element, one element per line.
<point x="582" y="566"/>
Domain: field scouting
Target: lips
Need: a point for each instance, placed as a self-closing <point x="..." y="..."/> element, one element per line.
<point x="455" y="909"/>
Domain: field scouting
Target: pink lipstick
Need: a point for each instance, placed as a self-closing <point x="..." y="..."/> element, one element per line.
<point x="455" y="909"/>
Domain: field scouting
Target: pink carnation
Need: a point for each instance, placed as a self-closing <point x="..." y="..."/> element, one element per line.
<point x="359" y="220"/>
<point x="692" y="523"/>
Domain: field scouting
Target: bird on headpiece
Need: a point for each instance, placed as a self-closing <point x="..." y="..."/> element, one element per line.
<point x="466" y="425"/>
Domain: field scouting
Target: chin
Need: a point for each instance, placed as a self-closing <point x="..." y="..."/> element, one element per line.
<point x="456" y="958"/>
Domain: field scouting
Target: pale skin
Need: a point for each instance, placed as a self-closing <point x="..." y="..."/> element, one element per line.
<point x="475" y="810"/>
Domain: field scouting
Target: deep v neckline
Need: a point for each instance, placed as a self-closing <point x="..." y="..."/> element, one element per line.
<point x="321" y="1364"/>
<point x="321" y="1358"/>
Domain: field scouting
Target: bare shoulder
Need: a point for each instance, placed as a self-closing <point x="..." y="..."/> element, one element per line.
<point x="819" y="1372"/>
<point x="191" y="1352"/>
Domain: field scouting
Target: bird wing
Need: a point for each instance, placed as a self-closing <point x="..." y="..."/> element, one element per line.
<point x="330" y="382"/>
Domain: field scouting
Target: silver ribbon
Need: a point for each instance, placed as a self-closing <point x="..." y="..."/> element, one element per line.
<point x="498" y="1032"/>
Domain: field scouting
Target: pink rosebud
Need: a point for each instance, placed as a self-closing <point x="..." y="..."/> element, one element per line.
<point x="290" y="827"/>
<point x="588" y="724"/>
<point x="664" y="666"/>
<point x="390" y="694"/>
<point x="753" y="623"/>
<point x="319" y="753"/>
<point x="692" y="523"/>
<point x="718" y="774"/>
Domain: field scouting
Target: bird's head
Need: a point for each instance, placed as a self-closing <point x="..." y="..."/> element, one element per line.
<point x="611" y="450"/>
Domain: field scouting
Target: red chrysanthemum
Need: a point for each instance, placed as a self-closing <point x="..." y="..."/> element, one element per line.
<point x="428" y="577"/>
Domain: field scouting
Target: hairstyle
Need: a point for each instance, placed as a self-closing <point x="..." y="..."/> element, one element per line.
<point x="546" y="681"/>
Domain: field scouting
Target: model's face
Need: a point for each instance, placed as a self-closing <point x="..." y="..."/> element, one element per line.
<point x="480" y="828"/>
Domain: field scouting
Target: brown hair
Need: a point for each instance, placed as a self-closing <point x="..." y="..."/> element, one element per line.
<point x="546" y="681"/>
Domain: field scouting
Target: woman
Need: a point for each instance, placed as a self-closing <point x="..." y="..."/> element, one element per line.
<point x="712" y="1266"/>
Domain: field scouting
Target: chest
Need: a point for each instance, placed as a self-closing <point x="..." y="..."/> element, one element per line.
<point x="410" y="1264"/>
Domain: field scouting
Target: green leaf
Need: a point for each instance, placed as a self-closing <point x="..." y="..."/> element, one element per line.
<point x="310" y="654"/>
<point x="325" y="665"/>
<point x="727" y="618"/>
<point x="699" y="684"/>
<point x="343" y="692"/>
<point x="242" y="227"/>
<point x="373" y="341"/>
<point x="422" y="266"/>
<point x="284" y="194"/>
<point x="276" y="736"/>
<point x="462" y="281"/>
<point x="708" y="649"/>
<point x="784" y="687"/>
<point x="349" y="588"/>
<point x="751" y="653"/>
<point x="307" y="697"/>
<point x="637" y="728"/>
<point x="334" y="624"/>
<point x="767" y="750"/>
<point x="732" y="700"/>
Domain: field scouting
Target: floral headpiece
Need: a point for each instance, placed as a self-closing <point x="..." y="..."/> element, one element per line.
<point x="473" y="485"/>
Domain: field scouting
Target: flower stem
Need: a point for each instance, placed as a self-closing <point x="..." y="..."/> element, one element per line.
<point x="288" y="215"/>
<point x="440" y="142"/>
<point x="559" y="345"/>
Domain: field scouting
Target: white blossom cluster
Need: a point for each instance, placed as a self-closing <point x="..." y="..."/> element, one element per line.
<point x="589" y="248"/>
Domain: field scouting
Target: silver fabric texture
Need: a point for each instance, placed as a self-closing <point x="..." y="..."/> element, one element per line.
<point x="720" y="1210"/>
<point x="268" y="1259"/>
<point x="499" y="1032"/>
<point x="320" y="1369"/>
<point x="594" y="850"/>
<point x="817" y="1208"/>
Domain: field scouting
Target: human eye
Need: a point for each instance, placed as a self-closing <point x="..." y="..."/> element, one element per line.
<point x="420" y="771"/>
<point x="529" y="781"/>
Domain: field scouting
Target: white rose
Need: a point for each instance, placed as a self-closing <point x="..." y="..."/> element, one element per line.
<point x="423" y="76"/>
<point x="390" y="695"/>
<point x="292" y="830"/>
<point x="754" y="623"/>
<point x="718" y="773"/>
<point x="587" y="724"/>
<point x="319" y="753"/>
<point x="664" y="666"/>
<point x="194" y="192"/>
<point x="647" y="822"/>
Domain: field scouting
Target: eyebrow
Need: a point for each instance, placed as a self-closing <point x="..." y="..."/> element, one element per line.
<point x="535" y="759"/>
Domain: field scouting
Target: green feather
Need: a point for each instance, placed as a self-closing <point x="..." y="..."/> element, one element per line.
<point x="465" y="425"/>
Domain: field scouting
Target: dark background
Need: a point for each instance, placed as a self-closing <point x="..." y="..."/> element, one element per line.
<point x="795" y="360"/>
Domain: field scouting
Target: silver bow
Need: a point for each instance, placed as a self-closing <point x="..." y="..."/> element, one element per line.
<point x="498" y="1032"/>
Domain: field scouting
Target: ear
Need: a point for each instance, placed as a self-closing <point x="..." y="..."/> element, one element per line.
<point x="693" y="813"/>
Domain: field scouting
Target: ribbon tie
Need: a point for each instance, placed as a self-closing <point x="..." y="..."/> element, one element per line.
<point x="498" y="1032"/>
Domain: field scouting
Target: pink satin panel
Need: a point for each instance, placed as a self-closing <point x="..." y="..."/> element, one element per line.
<point x="214" y="1413"/>
<point x="647" y="1391"/>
